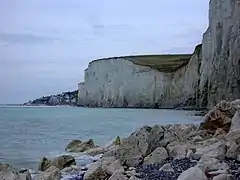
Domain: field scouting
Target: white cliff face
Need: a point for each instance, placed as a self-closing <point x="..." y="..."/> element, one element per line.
<point x="212" y="74"/>
<point x="220" y="69"/>
<point x="118" y="82"/>
<point x="185" y="82"/>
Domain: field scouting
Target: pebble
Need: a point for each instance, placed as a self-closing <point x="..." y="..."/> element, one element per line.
<point x="234" y="166"/>
<point x="152" y="172"/>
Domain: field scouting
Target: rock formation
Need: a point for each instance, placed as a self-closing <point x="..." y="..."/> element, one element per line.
<point x="220" y="66"/>
<point x="136" y="81"/>
<point x="66" y="98"/>
<point x="210" y="74"/>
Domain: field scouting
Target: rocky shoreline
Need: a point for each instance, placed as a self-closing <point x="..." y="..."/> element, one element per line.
<point x="63" y="99"/>
<point x="209" y="151"/>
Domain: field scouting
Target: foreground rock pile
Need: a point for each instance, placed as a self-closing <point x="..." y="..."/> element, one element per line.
<point x="209" y="151"/>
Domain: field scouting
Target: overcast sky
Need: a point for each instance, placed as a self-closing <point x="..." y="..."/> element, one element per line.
<point x="45" y="45"/>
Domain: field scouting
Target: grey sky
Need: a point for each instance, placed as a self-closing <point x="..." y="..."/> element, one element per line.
<point x="45" y="45"/>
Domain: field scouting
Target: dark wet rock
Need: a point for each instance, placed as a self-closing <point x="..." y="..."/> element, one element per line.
<point x="63" y="161"/>
<point x="79" y="146"/>
<point x="44" y="164"/>
<point x="73" y="144"/>
<point x="60" y="162"/>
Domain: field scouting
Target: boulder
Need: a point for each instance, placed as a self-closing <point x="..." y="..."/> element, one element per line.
<point x="95" y="172"/>
<point x="235" y="122"/>
<point x="73" y="144"/>
<point x="219" y="132"/>
<point x="116" y="165"/>
<point x="156" y="138"/>
<point x="67" y="170"/>
<point x="133" y="178"/>
<point x="233" y="135"/>
<point x="193" y="173"/>
<point x="216" y="173"/>
<point x="131" y="173"/>
<point x="233" y="151"/>
<point x="63" y="161"/>
<point x="157" y="156"/>
<point x="220" y="166"/>
<point x="216" y="150"/>
<point x="190" y="154"/>
<point x="78" y="146"/>
<point x="11" y="174"/>
<point x="133" y="148"/>
<point x="197" y="138"/>
<point x="95" y="151"/>
<point x="167" y="167"/>
<point x="5" y="166"/>
<point x="98" y="170"/>
<point x="111" y="151"/>
<point x="52" y="173"/>
<point x="223" y="177"/>
<point x="206" y="163"/>
<point x="202" y="133"/>
<point x="177" y="151"/>
<point x="44" y="164"/>
<point x="25" y="174"/>
<point x="117" y="176"/>
<point x="7" y="172"/>
<point x="219" y="117"/>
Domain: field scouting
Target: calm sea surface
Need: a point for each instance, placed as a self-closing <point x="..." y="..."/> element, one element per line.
<point x="29" y="133"/>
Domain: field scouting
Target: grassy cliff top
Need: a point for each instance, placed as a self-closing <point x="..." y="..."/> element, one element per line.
<point x="163" y="63"/>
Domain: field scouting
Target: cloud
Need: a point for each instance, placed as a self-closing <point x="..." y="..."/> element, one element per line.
<point x="14" y="38"/>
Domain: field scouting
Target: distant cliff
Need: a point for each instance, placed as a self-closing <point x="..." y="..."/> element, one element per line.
<point x="66" y="98"/>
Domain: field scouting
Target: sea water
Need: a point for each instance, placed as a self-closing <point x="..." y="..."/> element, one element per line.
<point x="29" y="133"/>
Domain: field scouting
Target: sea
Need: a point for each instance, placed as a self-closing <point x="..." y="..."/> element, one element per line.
<point x="29" y="133"/>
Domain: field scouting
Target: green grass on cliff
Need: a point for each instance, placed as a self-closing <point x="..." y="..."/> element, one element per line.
<point x="163" y="63"/>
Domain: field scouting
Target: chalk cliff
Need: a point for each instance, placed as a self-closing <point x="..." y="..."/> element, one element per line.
<point x="210" y="74"/>
<point x="140" y="81"/>
<point x="220" y="67"/>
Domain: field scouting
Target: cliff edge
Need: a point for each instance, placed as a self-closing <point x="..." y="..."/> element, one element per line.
<point x="210" y="74"/>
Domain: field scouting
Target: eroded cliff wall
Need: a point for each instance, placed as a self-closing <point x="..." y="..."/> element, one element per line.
<point x="118" y="82"/>
<point x="212" y="73"/>
<point x="220" y="69"/>
<point x="184" y="91"/>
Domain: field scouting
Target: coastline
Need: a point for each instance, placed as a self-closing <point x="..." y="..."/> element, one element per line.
<point x="176" y="152"/>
